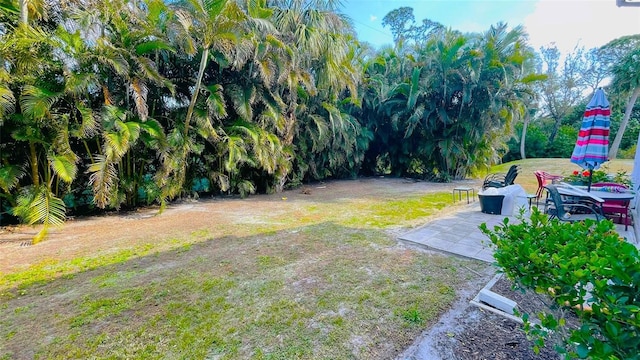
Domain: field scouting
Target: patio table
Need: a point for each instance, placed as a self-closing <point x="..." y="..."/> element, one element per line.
<point x="601" y="197"/>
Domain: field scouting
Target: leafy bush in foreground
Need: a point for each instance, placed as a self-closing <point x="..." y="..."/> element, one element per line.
<point x="585" y="268"/>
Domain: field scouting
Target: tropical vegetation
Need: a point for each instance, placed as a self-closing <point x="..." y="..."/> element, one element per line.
<point x="118" y="104"/>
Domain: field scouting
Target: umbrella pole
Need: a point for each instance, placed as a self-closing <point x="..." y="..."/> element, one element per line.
<point x="590" y="179"/>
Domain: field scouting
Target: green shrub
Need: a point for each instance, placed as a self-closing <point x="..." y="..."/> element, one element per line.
<point x="564" y="142"/>
<point x="587" y="269"/>
<point x="629" y="153"/>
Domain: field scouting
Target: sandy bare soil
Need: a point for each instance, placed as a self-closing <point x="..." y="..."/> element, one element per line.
<point x="108" y="233"/>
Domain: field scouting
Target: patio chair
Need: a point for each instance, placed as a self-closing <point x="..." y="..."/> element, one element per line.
<point x="501" y="180"/>
<point x="615" y="208"/>
<point x="571" y="210"/>
<point x="544" y="178"/>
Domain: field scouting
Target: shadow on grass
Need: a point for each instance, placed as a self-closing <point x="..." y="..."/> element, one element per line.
<point x="318" y="291"/>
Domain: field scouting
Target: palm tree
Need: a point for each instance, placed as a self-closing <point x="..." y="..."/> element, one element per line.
<point x="507" y="50"/>
<point x="206" y="26"/>
<point x="27" y="49"/>
<point x="626" y="79"/>
<point x="122" y="61"/>
<point x="323" y="72"/>
<point x="452" y="100"/>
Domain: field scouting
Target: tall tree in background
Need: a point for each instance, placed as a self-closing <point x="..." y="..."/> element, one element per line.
<point x="403" y="26"/>
<point x="26" y="51"/>
<point x="564" y="88"/>
<point x="451" y="102"/>
<point x="122" y="65"/>
<point x="206" y="26"/>
<point x="626" y="79"/>
<point x="506" y="50"/>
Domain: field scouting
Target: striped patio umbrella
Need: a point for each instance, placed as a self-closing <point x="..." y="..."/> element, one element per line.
<point x="592" y="147"/>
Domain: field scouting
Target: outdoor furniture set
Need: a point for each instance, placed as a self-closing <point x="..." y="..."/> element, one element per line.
<point x="498" y="180"/>
<point x="544" y="178"/>
<point x="494" y="180"/>
<point x="564" y="201"/>
<point x="605" y="200"/>
<point x="499" y="194"/>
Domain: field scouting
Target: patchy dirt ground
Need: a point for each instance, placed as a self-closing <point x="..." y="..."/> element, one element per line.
<point x="465" y="332"/>
<point x="108" y="233"/>
<point x="487" y="335"/>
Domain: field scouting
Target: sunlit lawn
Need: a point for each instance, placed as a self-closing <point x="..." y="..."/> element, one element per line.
<point x="326" y="282"/>
<point x="558" y="167"/>
<point x="329" y="282"/>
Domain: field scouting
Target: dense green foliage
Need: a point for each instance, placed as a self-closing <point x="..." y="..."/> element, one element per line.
<point x="445" y="108"/>
<point x="109" y="105"/>
<point x="117" y="104"/>
<point x="587" y="269"/>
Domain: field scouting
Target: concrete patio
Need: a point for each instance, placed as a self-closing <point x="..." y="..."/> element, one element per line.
<point x="458" y="233"/>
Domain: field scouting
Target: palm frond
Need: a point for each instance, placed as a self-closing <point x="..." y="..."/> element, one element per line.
<point x="36" y="102"/>
<point x="153" y="135"/>
<point x="236" y="153"/>
<point x="102" y="179"/>
<point x="64" y="166"/>
<point x="89" y="125"/>
<point x="10" y="175"/>
<point x="79" y="83"/>
<point x="267" y="70"/>
<point x="204" y="127"/>
<point x="414" y="90"/>
<point x="38" y="205"/>
<point x="222" y="180"/>
<point x="319" y="132"/>
<point x="140" y="91"/>
<point x="215" y="101"/>
<point x="242" y="99"/>
<point x="149" y="71"/>
<point x="152" y="46"/>
<point x="116" y="144"/>
<point x="47" y="209"/>
<point x="245" y="188"/>
<point x="7" y="102"/>
<point x="110" y="57"/>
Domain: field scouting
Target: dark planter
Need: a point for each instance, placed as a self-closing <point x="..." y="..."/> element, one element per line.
<point x="491" y="204"/>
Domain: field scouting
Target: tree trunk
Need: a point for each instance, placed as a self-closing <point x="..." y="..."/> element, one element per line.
<point x="623" y="125"/>
<point x="194" y="97"/>
<point x="524" y="136"/>
<point x="33" y="159"/>
<point x="24" y="12"/>
<point x="554" y="129"/>
<point x="180" y="172"/>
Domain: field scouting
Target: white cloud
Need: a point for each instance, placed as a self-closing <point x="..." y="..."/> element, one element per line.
<point x="590" y="23"/>
<point x="373" y="18"/>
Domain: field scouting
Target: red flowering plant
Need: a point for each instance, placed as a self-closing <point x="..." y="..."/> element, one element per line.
<point x="581" y="177"/>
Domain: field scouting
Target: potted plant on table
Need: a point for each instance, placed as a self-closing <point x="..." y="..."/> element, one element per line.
<point x="582" y="177"/>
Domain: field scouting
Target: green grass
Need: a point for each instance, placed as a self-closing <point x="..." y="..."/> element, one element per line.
<point x="555" y="166"/>
<point x="48" y="270"/>
<point x="406" y="210"/>
<point x="324" y="291"/>
<point x="322" y="281"/>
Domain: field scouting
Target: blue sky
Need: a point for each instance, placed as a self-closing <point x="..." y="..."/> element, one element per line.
<point x="566" y="23"/>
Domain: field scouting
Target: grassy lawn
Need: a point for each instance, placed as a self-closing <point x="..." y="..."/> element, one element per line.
<point x="326" y="280"/>
<point x="557" y="167"/>
<point x="322" y="291"/>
